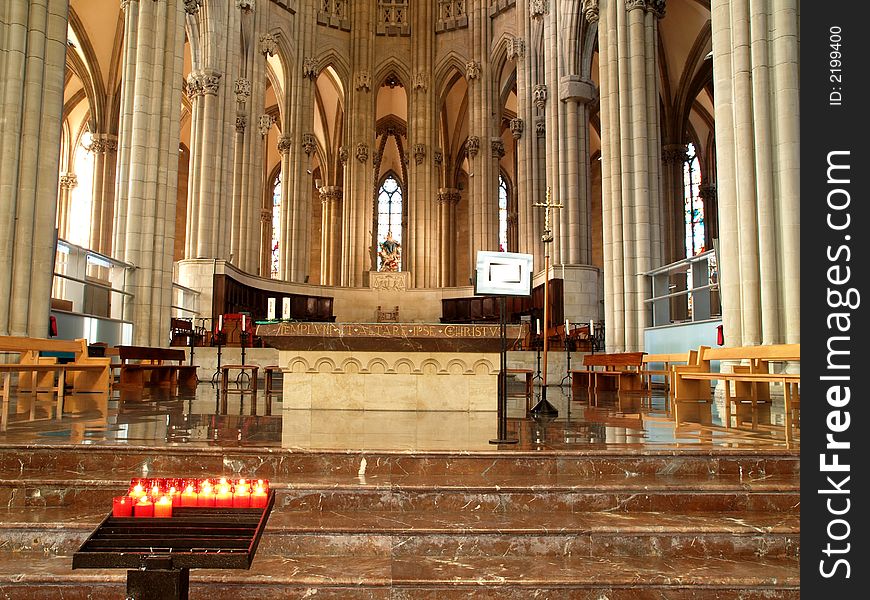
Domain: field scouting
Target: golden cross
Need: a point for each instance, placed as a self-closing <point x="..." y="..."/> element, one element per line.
<point x="547" y="206"/>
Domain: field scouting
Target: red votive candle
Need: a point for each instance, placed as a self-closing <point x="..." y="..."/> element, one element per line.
<point x="137" y="492"/>
<point x="206" y="496"/>
<point x="223" y="496"/>
<point x="163" y="507"/>
<point x="189" y="497"/>
<point x="122" y="506"/>
<point x="259" y="497"/>
<point x="241" y="496"/>
<point x="143" y="508"/>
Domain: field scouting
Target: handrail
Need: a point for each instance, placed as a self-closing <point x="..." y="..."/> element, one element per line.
<point x="93" y="283"/>
<point x="673" y="267"/>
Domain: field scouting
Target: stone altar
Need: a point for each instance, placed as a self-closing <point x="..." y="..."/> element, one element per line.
<point x="389" y="366"/>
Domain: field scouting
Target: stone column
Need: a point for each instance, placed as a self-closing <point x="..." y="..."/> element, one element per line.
<point x="68" y="181"/>
<point x="285" y="149"/>
<point x="105" y="149"/>
<point x="483" y="196"/>
<point x="630" y="139"/>
<point x="148" y="162"/>
<point x="330" y="232"/>
<point x="757" y="149"/>
<point x="674" y="157"/>
<point x="32" y="63"/>
<point x="448" y="198"/>
<point x="356" y="252"/>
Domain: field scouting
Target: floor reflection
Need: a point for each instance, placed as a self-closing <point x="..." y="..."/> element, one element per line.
<point x="605" y="420"/>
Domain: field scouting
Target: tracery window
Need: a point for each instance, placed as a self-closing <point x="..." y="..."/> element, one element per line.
<point x="276" y="223"/>
<point x="693" y="205"/>
<point x="81" y="193"/>
<point x="502" y="214"/>
<point x="389" y="212"/>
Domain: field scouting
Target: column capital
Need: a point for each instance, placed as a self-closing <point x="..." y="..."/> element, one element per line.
<point x="269" y="44"/>
<point x="516" y="48"/>
<point x="309" y="68"/>
<point x="68" y="181"/>
<point x="285" y="143"/>
<point x="102" y="143"/>
<point x="576" y="89"/>
<point x="364" y="81"/>
<point x="419" y="153"/>
<point x="245" y="5"/>
<point x="656" y="7"/>
<point x="707" y="192"/>
<point x="309" y="143"/>
<point x="242" y="89"/>
<point x="517" y="126"/>
<point x="241" y="123"/>
<point x="420" y="82"/>
<point x="497" y="148"/>
<point x="472" y="70"/>
<point x="448" y="196"/>
<point x="472" y="146"/>
<point x="362" y="152"/>
<point x="190" y="6"/>
<point x="264" y="124"/>
<point x="675" y="153"/>
<point x="539" y="8"/>
<point x="590" y="10"/>
<point x="331" y="194"/>
<point x="203" y="82"/>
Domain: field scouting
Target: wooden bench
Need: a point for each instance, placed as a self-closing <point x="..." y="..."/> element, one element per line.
<point x="617" y="372"/>
<point x="45" y="374"/>
<point x="668" y="360"/>
<point x="153" y="363"/>
<point x="269" y="377"/>
<point x="751" y="380"/>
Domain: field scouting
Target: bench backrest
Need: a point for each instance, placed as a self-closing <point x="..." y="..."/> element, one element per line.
<point x="156" y="355"/>
<point x="622" y="359"/>
<point x="775" y="352"/>
<point x="22" y="345"/>
<point x="678" y="357"/>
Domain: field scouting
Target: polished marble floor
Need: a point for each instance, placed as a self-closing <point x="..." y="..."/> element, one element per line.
<point x="205" y="418"/>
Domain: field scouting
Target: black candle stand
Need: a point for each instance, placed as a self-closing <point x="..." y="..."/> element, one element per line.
<point x="220" y="339"/>
<point x="567" y="360"/>
<point x="243" y="376"/>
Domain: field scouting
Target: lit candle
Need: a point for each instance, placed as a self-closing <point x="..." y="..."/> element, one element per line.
<point x="206" y="495"/>
<point x="567" y="325"/>
<point x="137" y="492"/>
<point x="122" y="506"/>
<point x="223" y="496"/>
<point x="155" y="491"/>
<point x="189" y="497"/>
<point x="260" y="496"/>
<point x="285" y="309"/>
<point x="220" y="323"/>
<point x="243" y="322"/>
<point x="143" y="508"/>
<point x="163" y="507"/>
<point x="591" y="326"/>
<point x="537" y="327"/>
<point x="242" y="496"/>
<point x="270" y="308"/>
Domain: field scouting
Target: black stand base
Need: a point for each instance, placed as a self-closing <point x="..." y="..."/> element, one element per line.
<point x="158" y="584"/>
<point x="543" y="409"/>
<point x="502" y="380"/>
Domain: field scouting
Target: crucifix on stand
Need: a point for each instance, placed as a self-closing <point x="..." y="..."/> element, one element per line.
<point x="543" y="408"/>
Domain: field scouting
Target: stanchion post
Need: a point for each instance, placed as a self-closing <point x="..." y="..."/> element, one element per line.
<point x="502" y="380"/>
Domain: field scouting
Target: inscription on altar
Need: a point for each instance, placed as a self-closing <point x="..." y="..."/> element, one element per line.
<point x="389" y="281"/>
<point x="386" y="330"/>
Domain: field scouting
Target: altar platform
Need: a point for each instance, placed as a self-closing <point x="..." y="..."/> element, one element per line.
<point x="389" y="366"/>
<point x="611" y="499"/>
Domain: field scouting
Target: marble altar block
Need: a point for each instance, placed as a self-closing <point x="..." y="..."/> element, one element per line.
<point x="389" y="366"/>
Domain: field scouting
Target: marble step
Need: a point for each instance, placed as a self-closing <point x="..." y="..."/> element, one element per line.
<point x="34" y="576"/>
<point x="62" y="530"/>
<point x="123" y="462"/>
<point x="466" y="492"/>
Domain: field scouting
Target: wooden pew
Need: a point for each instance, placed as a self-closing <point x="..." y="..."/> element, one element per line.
<point x="751" y="380"/>
<point x="163" y="367"/>
<point x="44" y="374"/>
<point x="618" y="372"/>
<point x="668" y="360"/>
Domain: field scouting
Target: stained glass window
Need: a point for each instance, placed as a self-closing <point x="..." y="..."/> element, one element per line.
<point x="390" y="212"/>
<point x="276" y="222"/>
<point x="81" y="194"/>
<point x="693" y="205"/>
<point x="502" y="214"/>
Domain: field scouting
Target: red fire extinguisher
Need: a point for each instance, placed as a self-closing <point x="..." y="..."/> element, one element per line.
<point x="720" y="335"/>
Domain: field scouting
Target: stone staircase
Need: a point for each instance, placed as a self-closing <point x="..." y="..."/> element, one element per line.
<point x="592" y="525"/>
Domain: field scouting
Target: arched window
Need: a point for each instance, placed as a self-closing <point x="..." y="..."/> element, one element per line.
<point x="81" y="196"/>
<point x="390" y="212"/>
<point x="693" y="205"/>
<point x="276" y="222"/>
<point x="502" y="214"/>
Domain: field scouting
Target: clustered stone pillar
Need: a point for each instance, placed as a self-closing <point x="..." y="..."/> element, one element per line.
<point x="674" y="157"/>
<point x="148" y="140"/>
<point x="330" y="232"/>
<point x="757" y="147"/>
<point x="359" y="135"/>
<point x="448" y="198"/>
<point x="32" y="63"/>
<point x="631" y="146"/>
